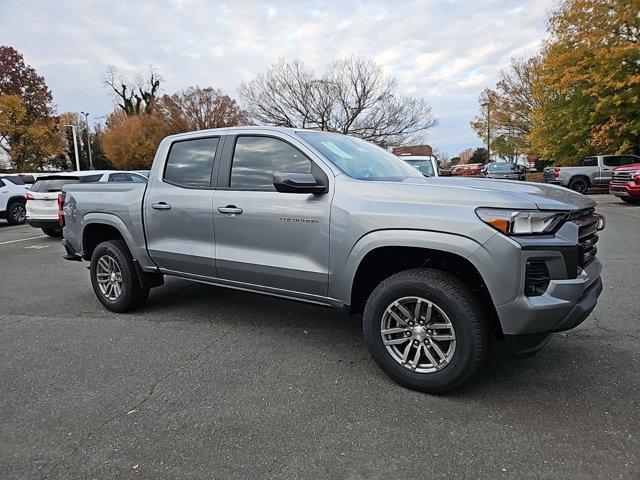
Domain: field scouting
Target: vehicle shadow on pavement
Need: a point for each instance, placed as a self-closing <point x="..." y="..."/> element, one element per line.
<point x="565" y="364"/>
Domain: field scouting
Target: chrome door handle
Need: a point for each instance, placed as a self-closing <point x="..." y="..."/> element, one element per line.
<point x="161" y="206"/>
<point x="230" y="210"/>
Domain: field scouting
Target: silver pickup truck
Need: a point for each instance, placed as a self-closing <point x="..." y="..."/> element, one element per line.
<point x="437" y="266"/>
<point x="594" y="172"/>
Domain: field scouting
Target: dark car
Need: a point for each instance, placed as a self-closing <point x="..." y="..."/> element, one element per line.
<point x="504" y="170"/>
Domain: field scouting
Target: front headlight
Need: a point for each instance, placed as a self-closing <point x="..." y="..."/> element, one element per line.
<point x="522" y="222"/>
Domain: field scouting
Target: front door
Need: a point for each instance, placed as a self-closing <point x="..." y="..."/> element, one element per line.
<point x="266" y="238"/>
<point x="178" y="209"/>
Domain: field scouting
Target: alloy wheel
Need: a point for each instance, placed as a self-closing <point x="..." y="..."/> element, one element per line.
<point x="109" y="277"/>
<point x="19" y="213"/>
<point x="418" y="334"/>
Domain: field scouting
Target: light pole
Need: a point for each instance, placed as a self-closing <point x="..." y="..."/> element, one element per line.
<point x="86" y="121"/>
<point x="489" y="129"/>
<point x="75" y="145"/>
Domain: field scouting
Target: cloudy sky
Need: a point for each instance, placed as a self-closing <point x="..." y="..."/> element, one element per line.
<point x="444" y="51"/>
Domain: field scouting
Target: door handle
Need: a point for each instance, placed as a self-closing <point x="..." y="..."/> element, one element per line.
<point x="230" y="210"/>
<point x="161" y="206"/>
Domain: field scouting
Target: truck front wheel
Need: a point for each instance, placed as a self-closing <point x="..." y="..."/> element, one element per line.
<point x="114" y="278"/>
<point x="426" y="330"/>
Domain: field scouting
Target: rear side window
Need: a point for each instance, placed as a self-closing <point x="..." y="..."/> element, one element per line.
<point x="52" y="184"/>
<point x="255" y="159"/>
<point x="619" y="160"/>
<point x="90" y="178"/>
<point x="15" y="179"/>
<point x="2" y="184"/>
<point x="137" y="178"/>
<point x="190" y="163"/>
<point x="119" y="177"/>
<point x="590" y="162"/>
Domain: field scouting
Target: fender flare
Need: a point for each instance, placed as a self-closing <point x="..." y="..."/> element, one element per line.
<point x="446" y="242"/>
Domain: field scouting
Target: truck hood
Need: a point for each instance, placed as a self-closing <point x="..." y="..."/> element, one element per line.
<point x="479" y="192"/>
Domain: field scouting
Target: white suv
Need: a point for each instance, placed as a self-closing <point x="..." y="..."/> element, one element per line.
<point x="42" y="198"/>
<point x="12" y="201"/>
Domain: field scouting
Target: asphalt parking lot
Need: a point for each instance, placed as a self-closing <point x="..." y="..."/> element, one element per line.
<point x="205" y="382"/>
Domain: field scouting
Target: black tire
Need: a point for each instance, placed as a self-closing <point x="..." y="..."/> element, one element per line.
<point x="16" y="212"/>
<point x="53" y="232"/>
<point x="132" y="295"/>
<point x="464" y="312"/>
<point x="579" y="184"/>
<point x="631" y="200"/>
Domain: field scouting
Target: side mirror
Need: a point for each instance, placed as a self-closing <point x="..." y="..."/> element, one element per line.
<point x="298" y="183"/>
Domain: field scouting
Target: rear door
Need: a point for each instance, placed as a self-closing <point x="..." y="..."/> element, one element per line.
<point x="178" y="208"/>
<point x="263" y="237"/>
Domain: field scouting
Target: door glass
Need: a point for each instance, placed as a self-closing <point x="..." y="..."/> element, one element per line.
<point x="190" y="163"/>
<point x="255" y="159"/>
<point x="590" y="162"/>
<point x="118" y="177"/>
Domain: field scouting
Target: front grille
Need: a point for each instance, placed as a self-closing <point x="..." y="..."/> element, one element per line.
<point x="621" y="178"/>
<point x="537" y="278"/>
<point x="587" y="222"/>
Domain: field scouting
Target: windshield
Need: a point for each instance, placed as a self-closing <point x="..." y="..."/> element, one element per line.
<point x="503" y="167"/>
<point x="359" y="159"/>
<point x="52" y="184"/>
<point x="425" y="167"/>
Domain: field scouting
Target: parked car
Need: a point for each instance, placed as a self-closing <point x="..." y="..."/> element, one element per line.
<point x="467" y="170"/>
<point x="12" y="208"/>
<point x="504" y="171"/>
<point x="595" y="171"/>
<point x="436" y="265"/>
<point x="625" y="183"/>
<point x="427" y="165"/>
<point x="42" y="208"/>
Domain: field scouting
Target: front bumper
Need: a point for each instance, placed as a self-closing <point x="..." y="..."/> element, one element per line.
<point x="564" y="305"/>
<point x="624" y="191"/>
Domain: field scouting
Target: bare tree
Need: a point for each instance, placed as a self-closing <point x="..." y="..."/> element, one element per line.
<point x="352" y="97"/>
<point x="134" y="97"/>
<point x="199" y="108"/>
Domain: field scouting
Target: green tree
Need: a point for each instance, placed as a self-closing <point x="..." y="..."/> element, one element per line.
<point x="479" y="155"/>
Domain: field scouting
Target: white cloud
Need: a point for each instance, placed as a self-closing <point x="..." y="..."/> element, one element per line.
<point x="446" y="51"/>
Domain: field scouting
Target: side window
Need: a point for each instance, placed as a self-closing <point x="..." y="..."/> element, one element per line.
<point x="590" y="162"/>
<point x="90" y="178"/>
<point x="255" y="159"/>
<point x="190" y="163"/>
<point x="612" y="161"/>
<point x="629" y="159"/>
<point x="135" y="178"/>
<point x="119" y="177"/>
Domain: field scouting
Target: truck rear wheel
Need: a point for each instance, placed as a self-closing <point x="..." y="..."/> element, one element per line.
<point x="114" y="278"/>
<point x="426" y="330"/>
<point x="579" y="184"/>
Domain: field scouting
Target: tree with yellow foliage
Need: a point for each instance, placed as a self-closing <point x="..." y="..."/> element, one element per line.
<point x="587" y="85"/>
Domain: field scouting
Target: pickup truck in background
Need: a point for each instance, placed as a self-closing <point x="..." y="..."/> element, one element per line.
<point x="625" y="183"/>
<point x="595" y="172"/>
<point x="437" y="266"/>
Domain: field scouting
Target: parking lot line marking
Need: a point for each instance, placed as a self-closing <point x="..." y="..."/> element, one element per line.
<point x="13" y="228"/>
<point x="22" y="239"/>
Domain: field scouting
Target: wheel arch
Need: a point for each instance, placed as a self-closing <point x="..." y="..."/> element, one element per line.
<point x="100" y="228"/>
<point x="581" y="177"/>
<point x="381" y="254"/>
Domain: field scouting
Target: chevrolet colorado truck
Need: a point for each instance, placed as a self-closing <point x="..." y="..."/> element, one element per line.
<point x="594" y="172"/>
<point x="437" y="266"/>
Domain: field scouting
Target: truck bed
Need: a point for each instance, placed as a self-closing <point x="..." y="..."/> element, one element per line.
<point x="117" y="204"/>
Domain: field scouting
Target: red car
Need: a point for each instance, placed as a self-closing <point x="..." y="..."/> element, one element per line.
<point x="467" y="169"/>
<point x="625" y="183"/>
